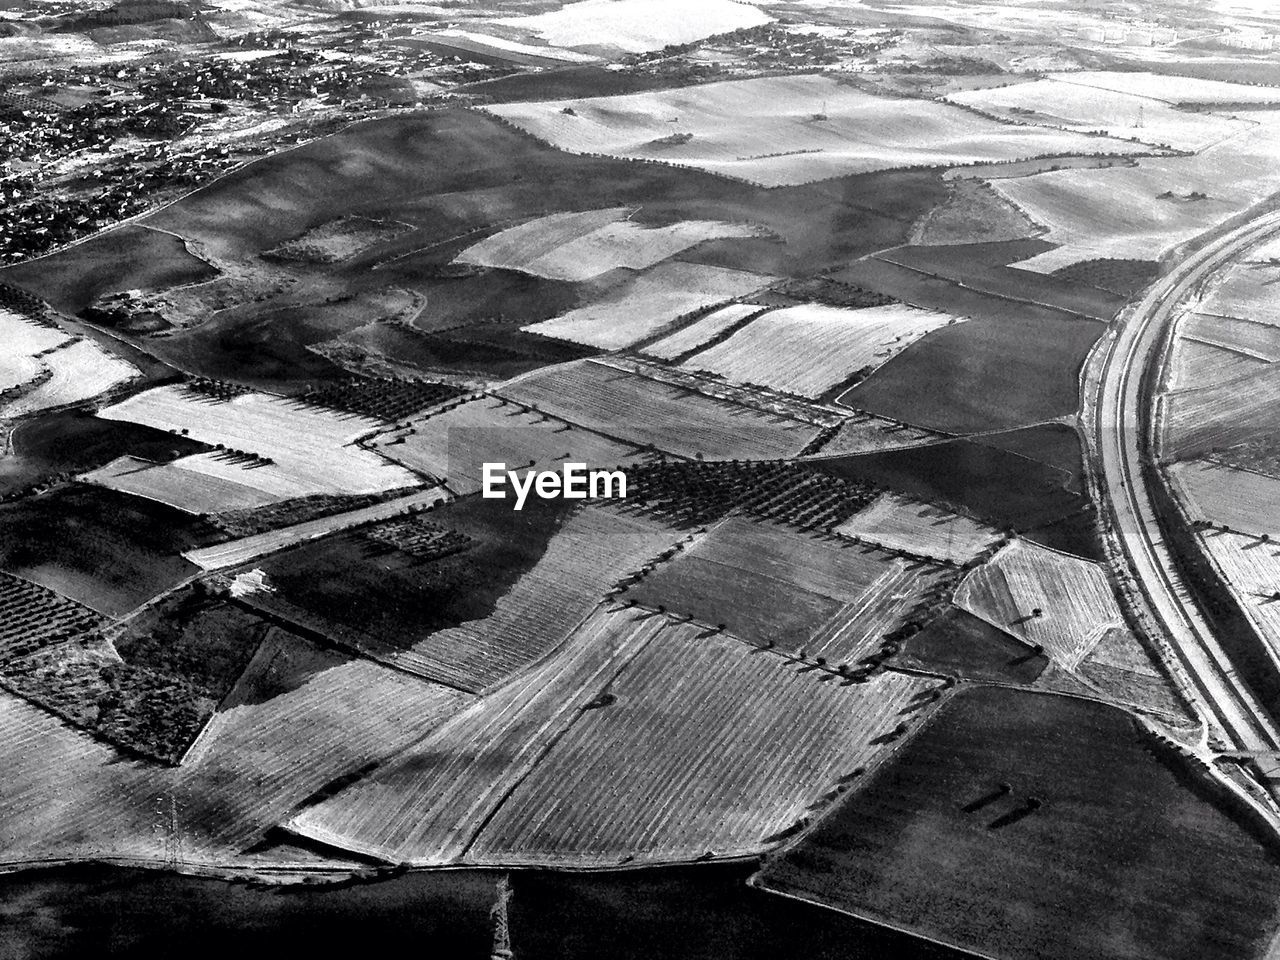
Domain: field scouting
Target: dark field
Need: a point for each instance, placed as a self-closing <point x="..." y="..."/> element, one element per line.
<point x="981" y="375"/>
<point x="983" y="266"/>
<point x="1055" y="445"/>
<point x="73" y="441"/>
<point x="958" y="644"/>
<point x="691" y="913"/>
<point x="357" y="590"/>
<point x="1127" y="856"/>
<point x="109" y="550"/>
<point x="1001" y="488"/>
<point x="128" y="258"/>
<point x="1122" y="277"/>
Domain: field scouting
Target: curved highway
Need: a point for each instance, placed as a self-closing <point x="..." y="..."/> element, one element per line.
<point x="1120" y="410"/>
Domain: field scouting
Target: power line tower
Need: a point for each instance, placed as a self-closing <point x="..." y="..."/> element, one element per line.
<point x="501" y="928"/>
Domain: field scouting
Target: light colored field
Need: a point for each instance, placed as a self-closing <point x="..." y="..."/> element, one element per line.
<point x="1248" y="291"/>
<point x="1172" y="89"/>
<point x="1252" y="568"/>
<point x="771" y="584"/>
<point x="808" y="349"/>
<point x="426" y="807"/>
<point x="643" y="305"/>
<point x="179" y="487"/>
<point x="580" y="246"/>
<point x="1119" y="213"/>
<point x="1260" y="340"/>
<point x="1195" y="364"/>
<point x="1245" y="501"/>
<point x="22" y="340"/>
<point x="324" y="717"/>
<point x="897" y="523"/>
<point x="312" y="447"/>
<point x="80" y="370"/>
<point x="1214" y="417"/>
<point x="765" y="131"/>
<point x="636" y="26"/>
<point x="1073" y="106"/>
<point x="709" y="748"/>
<point x="700" y="331"/>
<point x="1075" y="601"/>
<point x="235" y="552"/>
<point x="340" y="240"/>
<point x="642" y="411"/>
<point x="455" y="445"/>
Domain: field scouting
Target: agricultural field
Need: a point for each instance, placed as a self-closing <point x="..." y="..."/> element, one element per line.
<point x="1245" y="501"/>
<point x="24" y="340"/>
<point x="231" y="553"/>
<point x="1194" y="364"/>
<point x="1146" y="210"/>
<point x="455" y="444"/>
<point x="960" y="645"/>
<point x="1093" y="109"/>
<point x="280" y="447"/>
<point x="802" y="128"/>
<point x="709" y="327"/>
<point x="178" y="485"/>
<point x="1055" y="603"/>
<point x="908" y="526"/>
<point x="1251" y="568"/>
<point x="1250" y="337"/>
<point x="472" y="618"/>
<point x="1098" y="820"/>
<point x="866" y="433"/>
<point x="771" y="585"/>
<point x="809" y="349"/>
<point x="973" y="213"/>
<point x="580" y="246"/>
<point x="635" y="26"/>
<point x="640" y="307"/>
<point x="426" y="807"/>
<point x="338" y="240"/>
<point x="1246" y="292"/>
<point x="297" y="720"/>
<point x="1171" y="88"/>
<point x="1203" y="421"/>
<point x="641" y="411"/>
<point x="107" y="550"/>
<point x="985" y="374"/>
<point x="76" y="371"/>
<point x="32" y="617"/>
<point x="693" y="750"/>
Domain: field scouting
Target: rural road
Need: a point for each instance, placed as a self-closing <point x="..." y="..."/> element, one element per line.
<point x="1120" y="412"/>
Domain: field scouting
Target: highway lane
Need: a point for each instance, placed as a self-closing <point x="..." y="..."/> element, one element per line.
<point x="1120" y="410"/>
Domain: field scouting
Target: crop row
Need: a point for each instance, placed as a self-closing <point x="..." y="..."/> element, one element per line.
<point x="32" y="617"/>
<point x="418" y="538"/>
<point x="389" y="399"/>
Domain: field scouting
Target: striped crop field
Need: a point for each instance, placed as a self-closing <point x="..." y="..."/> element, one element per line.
<point x="1195" y="364"/>
<point x="1251" y="568"/>
<point x="700" y="747"/>
<point x="705" y="328"/>
<point x="642" y="306"/>
<point x="426" y="807"/>
<point x="1251" y="337"/>
<point x="1201" y="421"/>
<point x="1044" y="598"/>
<point x="1247" y="292"/>
<point x="276" y="445"/>
<point x="298" y="719"/>
<point x="642" y="411"/>
<point x="808" y="349"/>
<point x="1245" y="501"/>
<point x="32" y="616"/>
<point x="898" y="523"/>
<point x="177" y="485"/>
<point x="455" y="444"/>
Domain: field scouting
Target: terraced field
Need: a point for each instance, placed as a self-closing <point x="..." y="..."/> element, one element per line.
<point x="695" y="750"/>
<point x="644" y="412"/>
<point x="1047" y="599"/>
